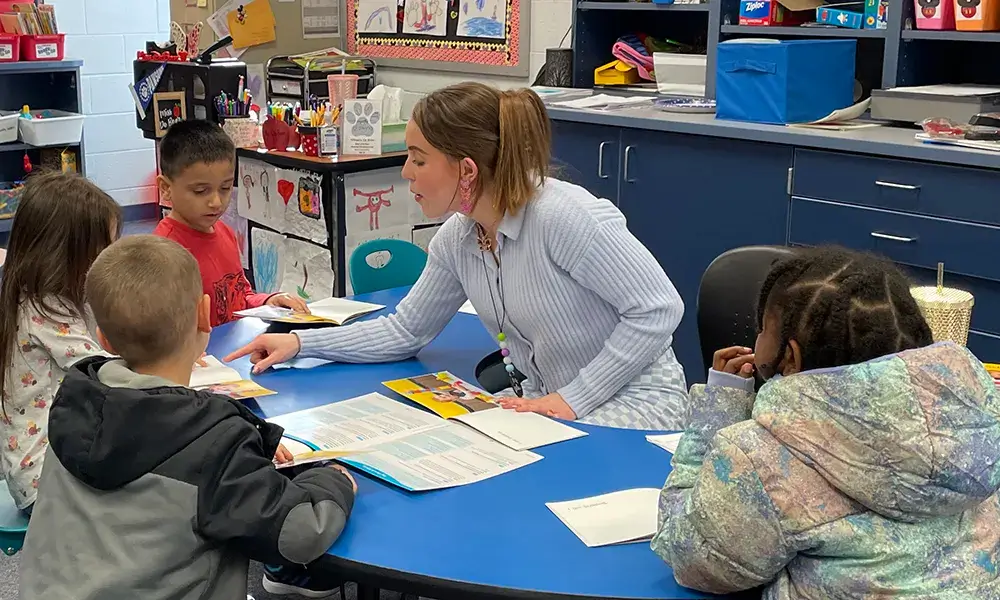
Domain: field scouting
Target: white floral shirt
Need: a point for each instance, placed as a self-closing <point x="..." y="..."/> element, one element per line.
<point x="44" y="350"/>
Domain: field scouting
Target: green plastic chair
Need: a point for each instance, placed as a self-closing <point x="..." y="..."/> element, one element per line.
<point x="13" y="524"/>
<point x="399" y="266"/>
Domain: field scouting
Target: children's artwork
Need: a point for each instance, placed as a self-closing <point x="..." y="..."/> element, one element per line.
<point x="301" y="195"/>
<point x="256" y="84"/>
<point x="376" y="16"/>
<point x="258" y="198"/>
<point x="362" y="127"/>
<point x="425" y="17"/>
<point x="422" y="236"/>
<point x="376" y="260"/>
<point x="482" y="18"/>
<point x="308" y="273"/>
<point x="239" y="226"/>
<point x="268" y="253"/>
<point x="376" y="200"/>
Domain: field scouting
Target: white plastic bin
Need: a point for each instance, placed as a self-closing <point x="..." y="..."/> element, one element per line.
<point x="8" y="126"/>
<point x="56" y="128"/>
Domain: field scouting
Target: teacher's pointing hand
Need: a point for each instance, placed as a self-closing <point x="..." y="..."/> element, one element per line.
<point x="268" y="350"/>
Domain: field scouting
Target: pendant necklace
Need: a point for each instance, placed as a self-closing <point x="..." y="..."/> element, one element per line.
<point x="486" y="245"/>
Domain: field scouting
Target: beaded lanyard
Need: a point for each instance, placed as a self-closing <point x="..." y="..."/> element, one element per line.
<point x="486" y="245"/>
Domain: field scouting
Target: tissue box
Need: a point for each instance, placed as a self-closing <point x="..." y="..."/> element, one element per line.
<point x="394" y="137"/>
<point x="793" y="81"/>
<point x="848" y="19"/>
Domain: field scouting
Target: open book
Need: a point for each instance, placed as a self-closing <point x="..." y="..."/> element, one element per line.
<point x="217" y="378"/>
<point x="304" y="454"/>
<point x="452" y="398"/>
<point x="332" y="310"/>
<point x="405" y="446"/>
<point x="616" y="518"/>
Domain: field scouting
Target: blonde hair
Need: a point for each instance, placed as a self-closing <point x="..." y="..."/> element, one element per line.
<point x="144" y="292"/>
<point x="506" y="133"/>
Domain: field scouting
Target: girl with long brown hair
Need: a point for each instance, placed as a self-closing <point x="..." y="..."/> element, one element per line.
<point x="61" y="225"/>
<point x="575" y="302"/>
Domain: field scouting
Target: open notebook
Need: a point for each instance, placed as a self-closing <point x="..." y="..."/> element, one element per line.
<point x="622" y="517"/>
<point x="332" y="310"/>
<point x="215" y="377"/>
<point x="452" y="398"/>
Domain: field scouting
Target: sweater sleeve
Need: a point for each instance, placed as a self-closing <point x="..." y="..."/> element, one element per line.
<point x="419" y="318"/>
<point x="603" y="256"/>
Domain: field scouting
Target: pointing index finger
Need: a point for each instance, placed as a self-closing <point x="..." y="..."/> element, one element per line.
<point x="245" y="350"/>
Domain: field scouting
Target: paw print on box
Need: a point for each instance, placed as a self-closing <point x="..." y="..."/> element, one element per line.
<point x="363" y="119"/>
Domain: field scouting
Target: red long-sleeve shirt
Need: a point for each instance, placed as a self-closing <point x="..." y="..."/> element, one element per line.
<point x="222" y="275"/>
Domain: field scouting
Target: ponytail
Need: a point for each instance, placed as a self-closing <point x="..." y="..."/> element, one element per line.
<point x="506" y="133"/>
<point x="525" y="146"/>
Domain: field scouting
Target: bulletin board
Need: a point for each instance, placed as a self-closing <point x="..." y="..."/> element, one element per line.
<point x="472" y="36"/>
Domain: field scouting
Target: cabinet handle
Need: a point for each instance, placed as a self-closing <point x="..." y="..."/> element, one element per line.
<point x="600" y="160"/>
<point x="898" y="186"/>
<point x="628" y="152"/>
<point x="893" y="238"/>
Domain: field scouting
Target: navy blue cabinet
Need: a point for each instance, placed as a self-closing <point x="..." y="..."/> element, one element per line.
<point x="587" y="155"/>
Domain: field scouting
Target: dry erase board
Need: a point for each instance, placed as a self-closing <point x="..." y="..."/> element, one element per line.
<point x="473" y="36"/>
<point x="169" y="108"/>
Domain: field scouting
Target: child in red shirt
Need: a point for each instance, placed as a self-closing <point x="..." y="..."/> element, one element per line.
<point x="197" y="165"/>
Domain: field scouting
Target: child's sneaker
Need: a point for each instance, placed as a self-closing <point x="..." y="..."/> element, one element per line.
<point x="281" y="581"/>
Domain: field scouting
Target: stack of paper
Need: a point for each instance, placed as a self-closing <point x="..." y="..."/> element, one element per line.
<point x="604" y="102"/>
<point x="407" y="447"/>
<point x="451" y="398"/>
<point x="668" y="441"/>
<point x="213" y="376"/>
<point x="332" y="310"/>
<point x="616" y="518"/>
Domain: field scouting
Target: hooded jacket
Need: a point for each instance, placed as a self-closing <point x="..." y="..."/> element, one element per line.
<point x="154" y="491"/>
<point x="870" y="481"/>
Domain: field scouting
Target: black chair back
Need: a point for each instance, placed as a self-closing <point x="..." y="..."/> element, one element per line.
<point x="492" y="375"/>
<point x="727" y="298"/>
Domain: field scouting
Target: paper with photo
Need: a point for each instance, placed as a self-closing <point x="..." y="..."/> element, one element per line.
<point x="376" y="200"/>
<point x="307" y="274"/>
<point x="483" y="19"/>
<point x="239" y="390"/>
<point x="425" y="17"/>
<point x="376" y="16"/>
<point x="623" y="517"/>
<point x="300" y="193"/>
<point x="267" y="250"/>
<point x="422" y="237"/>
<point x="667" y="441"/>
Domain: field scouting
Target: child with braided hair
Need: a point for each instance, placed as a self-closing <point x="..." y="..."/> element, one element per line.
<point x="865" y="467"/>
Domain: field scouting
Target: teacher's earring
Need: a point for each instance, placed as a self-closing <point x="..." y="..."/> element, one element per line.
<point x="466" y="192"/>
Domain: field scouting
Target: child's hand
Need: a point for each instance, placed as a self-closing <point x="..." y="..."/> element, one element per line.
<point x="736" y="360"/>
<point x="201" y="361"/>
<point x="282" y="455"/>
<point x="347" y="474"/>
<point x="288" y="301"/>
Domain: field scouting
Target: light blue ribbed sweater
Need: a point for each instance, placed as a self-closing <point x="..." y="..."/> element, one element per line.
<point x="590" y="313"/>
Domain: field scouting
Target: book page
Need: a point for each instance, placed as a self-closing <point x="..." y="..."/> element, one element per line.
<point x="213" y="373"/>
<point x="615" y="518"/>
<point x="442" y="457"/>
<point x="341" y="310"/>
<point x="355" y="424"/>
<point x="442" y="393"/>
<point x="667" y="441"/>
<point x="304" y="454"/>
<point x="519" y="431"/>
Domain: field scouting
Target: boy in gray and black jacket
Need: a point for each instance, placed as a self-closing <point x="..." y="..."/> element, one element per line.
<point x="152" y="490"/>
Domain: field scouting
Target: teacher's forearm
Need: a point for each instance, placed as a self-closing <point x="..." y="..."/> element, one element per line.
<point x="379" y="340"/>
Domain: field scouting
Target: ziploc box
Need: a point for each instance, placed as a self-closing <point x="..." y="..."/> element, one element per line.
<point x="780" y="82"/>
<point x="773" y="12"/>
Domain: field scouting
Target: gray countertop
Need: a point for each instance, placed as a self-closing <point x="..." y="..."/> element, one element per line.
<point x="892" y="142"/>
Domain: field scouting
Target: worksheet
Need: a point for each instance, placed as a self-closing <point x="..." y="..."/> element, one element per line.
<point x="623" y="517"/>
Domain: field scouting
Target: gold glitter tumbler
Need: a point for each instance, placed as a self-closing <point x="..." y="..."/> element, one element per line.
<point x="947" y="310"/>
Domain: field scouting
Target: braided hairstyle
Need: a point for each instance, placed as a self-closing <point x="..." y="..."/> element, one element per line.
<point x="842" y="307"/>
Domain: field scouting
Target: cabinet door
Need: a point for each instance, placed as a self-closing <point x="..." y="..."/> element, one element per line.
<point x="587" y="155"/>
<point x="690" y="198"/>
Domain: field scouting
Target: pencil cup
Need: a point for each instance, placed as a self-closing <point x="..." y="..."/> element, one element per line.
<point x="310" y="140"/>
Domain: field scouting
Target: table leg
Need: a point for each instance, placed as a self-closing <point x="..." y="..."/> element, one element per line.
<point x="366" y="592"/>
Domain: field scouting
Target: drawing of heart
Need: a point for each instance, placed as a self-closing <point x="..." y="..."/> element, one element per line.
<point x="286" y="189"/>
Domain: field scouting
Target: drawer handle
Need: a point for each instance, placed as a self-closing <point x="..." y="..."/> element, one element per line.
<point x="893" y="238"/>
<point x="628" y="161"/>
<point x="898" y="186"/>
<point x="600" y="160"/>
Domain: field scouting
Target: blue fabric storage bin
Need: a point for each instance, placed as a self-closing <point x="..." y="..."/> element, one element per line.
<point x="793" y="81"/>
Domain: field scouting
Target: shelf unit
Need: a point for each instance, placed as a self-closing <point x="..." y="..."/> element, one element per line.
<point x="898" y="55"/>
<point x="40" y="85"/>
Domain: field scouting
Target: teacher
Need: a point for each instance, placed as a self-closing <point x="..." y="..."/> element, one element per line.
<point x="573" y="299"/>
